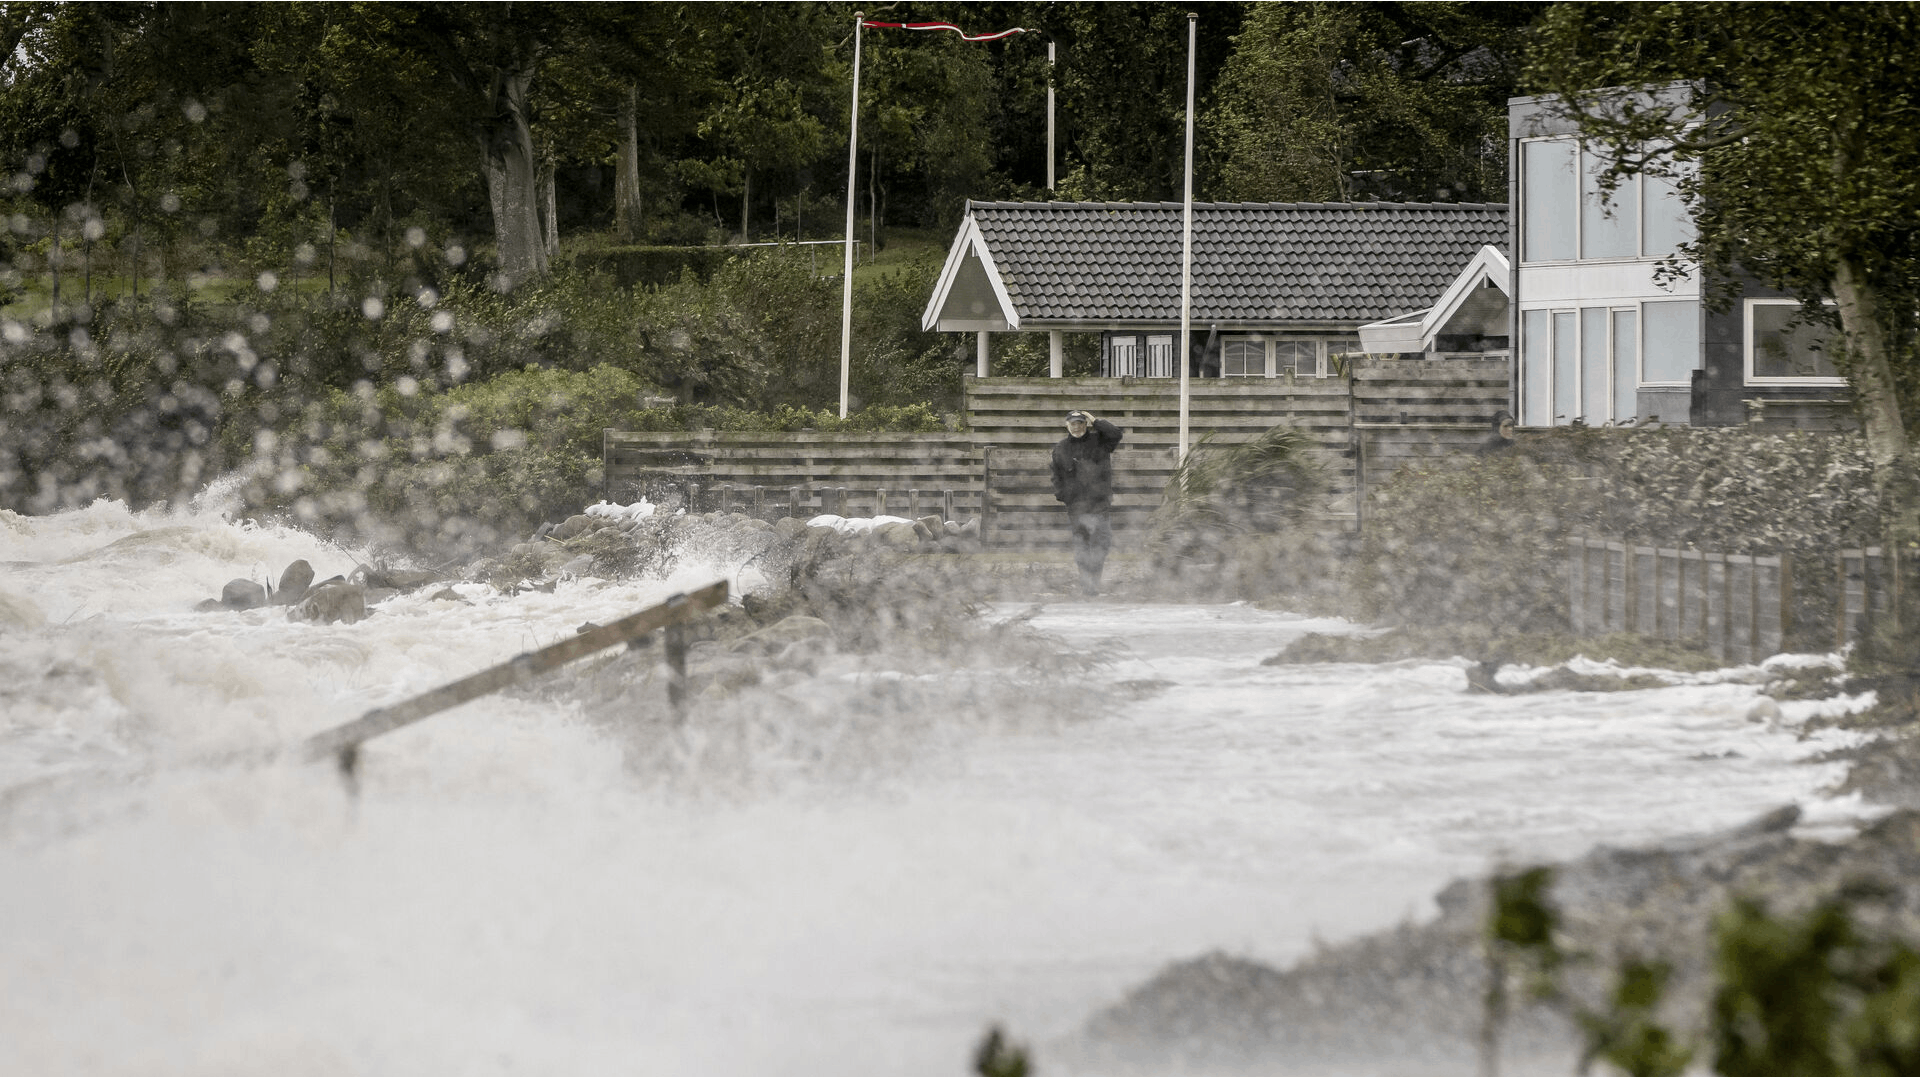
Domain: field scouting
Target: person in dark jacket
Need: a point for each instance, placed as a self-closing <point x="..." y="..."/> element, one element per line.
<point x="1500" y="439"/>
<point x="1083" y="482"/>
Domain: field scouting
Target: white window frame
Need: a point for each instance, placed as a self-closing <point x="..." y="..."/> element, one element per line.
<point x="1747" y="342"/>
<point x="1529" y="362"/>
<point x="1577" y="210"/>
<point x="1266" y="353"/>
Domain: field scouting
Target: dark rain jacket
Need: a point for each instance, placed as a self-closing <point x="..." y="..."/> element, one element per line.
<point x="1083" y="468"/>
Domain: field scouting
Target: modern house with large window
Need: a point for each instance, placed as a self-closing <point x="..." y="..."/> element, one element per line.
<point x="1283" y="287"/>
<point x="1610" y="329"/>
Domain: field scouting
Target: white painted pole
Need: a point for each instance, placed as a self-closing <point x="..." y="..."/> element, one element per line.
<point x="1056" y="354"/>
<point x="853" y="171"/>
<point x="1185" y="358"/>
<point x="1050" y="116"/>
<point x="981" y="359"/>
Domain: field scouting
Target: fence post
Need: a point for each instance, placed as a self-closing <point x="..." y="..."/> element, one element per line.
<point x="840" y="500"/>
<point x="793" y="501"/>
<point x="693" y="498"/>
<point x="759" y="502"/>
<point x="880" y="501"/>
<point x="913" y="503"/>
<point x="946" y="505"/>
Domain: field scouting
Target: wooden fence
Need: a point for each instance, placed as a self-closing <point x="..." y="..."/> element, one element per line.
<point x="1869" y="591"/>
<point x="1740" y="606"/>
<point x="797" y="474"/>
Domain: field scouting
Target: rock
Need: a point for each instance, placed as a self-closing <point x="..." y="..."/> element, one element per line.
<point x="397" y="579"/>
<point x="970" y="529"/>
<point x="790" y="527"/>
<point x="243" y="595"/>
<point x="208" y="605"/>
<point x="935" y="525"/>
<point x="571" y="526"/>
<point x="900" y="535"/>
<point x="754" y="523"/>
<point x="446" y="594"/>
<point x="579" y="566"/>
<point x="293" y="584"/>
<point x="331" y="601"/>
<point x="542" y="531"/>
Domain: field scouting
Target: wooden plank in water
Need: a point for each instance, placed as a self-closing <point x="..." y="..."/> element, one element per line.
<point x="345" y="738"/>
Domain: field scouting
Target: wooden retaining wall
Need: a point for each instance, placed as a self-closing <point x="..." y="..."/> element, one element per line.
<point x="1383" y="415"/>
<point x="800" y="474"/>
<point x="1016" y="421"/>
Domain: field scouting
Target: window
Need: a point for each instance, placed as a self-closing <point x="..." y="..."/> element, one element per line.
<point x="1548" y="193"/>
<point x="1584" y="363"/>
<point x="1609" y="221"/>
<point x="1565" y="218"/>
<point x="1138" y="355"/>
<point x="1784" y="346"/>
<point x="1673" y="342"/>
<point x="1243" y="357"/>
<point x="1298" y="357"/>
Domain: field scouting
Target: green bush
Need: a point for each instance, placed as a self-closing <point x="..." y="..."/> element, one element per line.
<point x="1486" y="543"/>
<point x="465" y="467"/>
<point x="631" y="267"/>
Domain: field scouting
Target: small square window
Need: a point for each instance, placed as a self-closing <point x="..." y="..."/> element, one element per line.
<point x="1784" y="345"/>
<point x="1243" y="357"/>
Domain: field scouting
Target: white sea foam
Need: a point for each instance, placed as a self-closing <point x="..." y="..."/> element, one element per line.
<point x="509" y="893"/>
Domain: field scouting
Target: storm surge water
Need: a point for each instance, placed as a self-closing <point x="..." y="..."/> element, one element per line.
<point x="852" y="870"/>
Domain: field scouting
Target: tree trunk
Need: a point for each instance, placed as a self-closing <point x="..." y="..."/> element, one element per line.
<point x="746" y="200"/>
<point x="626" y="171"/>
<point x="1870" y="369"/>
<point x="513" y="186"/>
<point x="549" y="210"/>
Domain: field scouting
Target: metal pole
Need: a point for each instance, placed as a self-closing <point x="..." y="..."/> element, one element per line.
<point x="1050" y="117"/>
<point x="853" y="172"/>
<point x="1186" y="246"/>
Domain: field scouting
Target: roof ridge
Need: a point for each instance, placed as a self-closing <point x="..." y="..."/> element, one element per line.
<point x="973" y="205"/>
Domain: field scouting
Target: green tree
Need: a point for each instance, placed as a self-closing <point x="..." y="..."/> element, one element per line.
<point x="1332" y="102"/>
<point x="1795" y="145"/>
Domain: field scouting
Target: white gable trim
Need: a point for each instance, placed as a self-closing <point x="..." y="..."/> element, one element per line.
<point x="969" y="242"/>
<point x="1415" y="332"/>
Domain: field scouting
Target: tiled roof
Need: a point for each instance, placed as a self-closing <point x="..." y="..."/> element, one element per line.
<point x="1252" y="261"/>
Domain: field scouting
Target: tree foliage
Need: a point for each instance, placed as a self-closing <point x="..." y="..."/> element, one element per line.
<point x="1790" y="128"/>
<point x="1389" y="101"/>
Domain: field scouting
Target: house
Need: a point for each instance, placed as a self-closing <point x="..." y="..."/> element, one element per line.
<point x="1610" y="330"/>
<point x="1287" y="286"/>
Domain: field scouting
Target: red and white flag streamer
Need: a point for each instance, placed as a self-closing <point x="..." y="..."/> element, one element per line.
<point x="964" y="36"/>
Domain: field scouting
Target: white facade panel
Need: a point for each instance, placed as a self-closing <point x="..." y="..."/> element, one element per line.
<point x="1599" y="282"/>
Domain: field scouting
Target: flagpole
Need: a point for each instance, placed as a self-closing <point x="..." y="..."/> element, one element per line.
<point x="1049" y="115"/>
<point x="1186" y="248"/>
<point x="853" y="171"/>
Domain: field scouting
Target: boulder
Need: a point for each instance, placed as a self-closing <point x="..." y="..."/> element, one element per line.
<point x="898" y="535"/>
<point x="331" y="601"/>
<point x="790" y="527"/>
<point x="243" y="595"/>
<point x="396" y="579"/>
<point x="571" y="526"/>
<point x="293" y="584"/>
<point x="935" y="525"/>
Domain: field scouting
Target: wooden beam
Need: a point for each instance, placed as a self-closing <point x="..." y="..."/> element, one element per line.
<point x="341" y="742"/>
